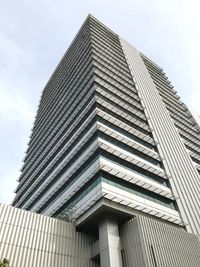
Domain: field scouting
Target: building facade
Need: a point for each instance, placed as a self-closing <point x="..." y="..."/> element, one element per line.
<point x="196" y="117"/>
<point x="113" y="142"/>
<point x="30" y="239"/>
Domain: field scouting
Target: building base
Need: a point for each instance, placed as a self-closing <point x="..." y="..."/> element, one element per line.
<point x="30" y="239"/>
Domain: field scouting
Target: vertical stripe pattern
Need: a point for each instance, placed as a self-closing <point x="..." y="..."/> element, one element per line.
<point x="150" y="243"/>
<point x="184" y="178"/>
<point x="30" y="239"/>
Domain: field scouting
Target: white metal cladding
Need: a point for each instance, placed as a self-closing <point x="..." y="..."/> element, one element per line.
<point x="120" y="101"/>
<point x="112" y="168"/>
<point x="124" y="126"/>
<point x="196" y="117"/>
<point x="126" y="140"/>
<point x="72" y="168"/>
<point x="88" y="201"/>
<point x="29" y="239"/>
<point x="126" y="199"/>
<point x="65" y="146"/>
<point x="139" y="203"/>
<point x="150" y="243"/>
<point x="75" y="123"/>
<point x="129" y="154"/>
<point x="119" y="112"/>
<point x="132" y="177"/>
<point x="66" y="115"/>
<point x="130" y="158"/>
<point x="184" y="178"/>
<point x="69" y="192"/>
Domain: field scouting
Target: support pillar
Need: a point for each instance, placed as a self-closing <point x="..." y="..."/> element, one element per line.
<point x="109" y="242"/>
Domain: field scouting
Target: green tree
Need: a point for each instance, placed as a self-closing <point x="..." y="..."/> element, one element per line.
<point x="4" y="263"/>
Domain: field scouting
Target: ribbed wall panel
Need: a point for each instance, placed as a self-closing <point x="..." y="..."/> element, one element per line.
<point x="183" y="120"/>
<point x="29" y="239"/>
<point x="150" y="243"/>
<point x="184" y="178"/>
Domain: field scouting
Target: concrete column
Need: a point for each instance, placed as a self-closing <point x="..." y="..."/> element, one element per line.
<point x="109" y="242"/>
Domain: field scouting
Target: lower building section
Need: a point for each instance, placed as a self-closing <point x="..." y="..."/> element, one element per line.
<point x="30" y="239"/>
<point x="150" y="243"/>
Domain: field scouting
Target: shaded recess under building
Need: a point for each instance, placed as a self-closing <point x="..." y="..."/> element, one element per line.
<point x="114" y="151"/>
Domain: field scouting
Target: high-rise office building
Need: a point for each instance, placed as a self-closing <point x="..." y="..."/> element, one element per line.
<point x="114" y="150"/>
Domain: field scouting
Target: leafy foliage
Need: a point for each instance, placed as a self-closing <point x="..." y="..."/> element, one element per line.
<point x="4" y="263"/>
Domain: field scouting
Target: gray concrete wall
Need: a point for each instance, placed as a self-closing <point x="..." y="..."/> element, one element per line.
<point x="29" y="239"/>
<point x="149" y="243"/>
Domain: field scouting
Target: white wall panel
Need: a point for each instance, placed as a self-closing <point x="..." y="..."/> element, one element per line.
<point x="184" y="178"/>
<point x="29" y="239"/>
<point x="150" y="243"/>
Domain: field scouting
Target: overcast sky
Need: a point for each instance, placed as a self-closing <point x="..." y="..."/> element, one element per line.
<point x="34" y="35"/>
